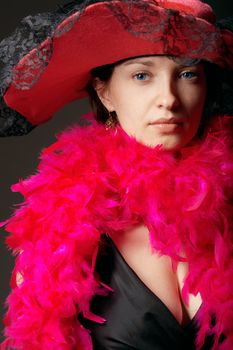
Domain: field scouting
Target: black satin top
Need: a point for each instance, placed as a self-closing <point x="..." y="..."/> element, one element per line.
<point x="136" y="318"/>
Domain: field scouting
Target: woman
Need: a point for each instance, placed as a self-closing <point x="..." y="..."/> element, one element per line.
<point x="124" y="240"/>
<point x="159" y="102"/>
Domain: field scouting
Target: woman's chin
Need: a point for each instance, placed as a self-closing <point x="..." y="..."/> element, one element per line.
<point x="171" y="144"/>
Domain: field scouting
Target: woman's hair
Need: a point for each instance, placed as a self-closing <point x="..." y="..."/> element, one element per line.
<point x="103" y="73"/>
<point x="211" y="107"/>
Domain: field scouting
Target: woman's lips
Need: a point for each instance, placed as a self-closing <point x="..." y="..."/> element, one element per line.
<point x="168" y="125"/>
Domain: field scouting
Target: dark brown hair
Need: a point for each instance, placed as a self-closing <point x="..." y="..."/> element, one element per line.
<point x="103" y="73"/>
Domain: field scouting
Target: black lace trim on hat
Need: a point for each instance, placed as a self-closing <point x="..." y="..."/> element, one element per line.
<point x="226" y="93"/>
<point x="11" y="122"/>
<point x="33" y="30"/>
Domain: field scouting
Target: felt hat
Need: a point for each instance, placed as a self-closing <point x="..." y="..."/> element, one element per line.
<point x="47" y="62"/>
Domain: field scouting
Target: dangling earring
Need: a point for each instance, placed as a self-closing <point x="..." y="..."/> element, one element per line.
<point x="110" y="122"/>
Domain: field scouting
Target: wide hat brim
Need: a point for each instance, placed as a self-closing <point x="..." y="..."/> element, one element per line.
<point x="105" y="33"/>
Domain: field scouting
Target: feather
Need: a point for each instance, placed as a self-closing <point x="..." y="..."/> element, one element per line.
<point x="94" y="181"/>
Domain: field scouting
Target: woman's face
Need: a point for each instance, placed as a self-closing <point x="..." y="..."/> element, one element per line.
<point x="157" y="100"/>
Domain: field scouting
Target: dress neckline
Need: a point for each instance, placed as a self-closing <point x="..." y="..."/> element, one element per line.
<point x="191" y="323"/>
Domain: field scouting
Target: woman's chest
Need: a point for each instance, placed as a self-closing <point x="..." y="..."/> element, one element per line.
<point x="156" y="273"/>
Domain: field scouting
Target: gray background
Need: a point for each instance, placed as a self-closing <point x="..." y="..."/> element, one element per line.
<point x="19" y="155"/>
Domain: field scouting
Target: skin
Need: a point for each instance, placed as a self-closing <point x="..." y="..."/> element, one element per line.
<point x="157" y="100"/>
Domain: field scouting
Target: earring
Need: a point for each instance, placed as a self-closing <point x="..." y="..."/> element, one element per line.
<point x="110" y="122"/>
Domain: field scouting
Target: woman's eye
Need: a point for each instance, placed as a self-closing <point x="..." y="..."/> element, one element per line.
<point x="188" y="75"/>
<point x="141" y="76"/>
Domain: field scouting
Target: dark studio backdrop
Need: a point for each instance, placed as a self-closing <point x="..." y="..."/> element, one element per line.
<point x="18" y="155"/>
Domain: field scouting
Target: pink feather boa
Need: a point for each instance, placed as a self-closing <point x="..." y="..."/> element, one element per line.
<point x="94" y="180"/>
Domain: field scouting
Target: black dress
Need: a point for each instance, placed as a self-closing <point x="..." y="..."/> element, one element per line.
<point x="136" y="318"/>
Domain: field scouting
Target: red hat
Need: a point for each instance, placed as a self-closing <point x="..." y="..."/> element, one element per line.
<point x="57" y="71"/>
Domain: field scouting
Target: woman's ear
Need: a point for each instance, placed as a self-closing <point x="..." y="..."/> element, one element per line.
<point x="102" y="90"/>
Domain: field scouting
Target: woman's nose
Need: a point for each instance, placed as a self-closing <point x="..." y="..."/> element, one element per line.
<point x="167" y="95"/>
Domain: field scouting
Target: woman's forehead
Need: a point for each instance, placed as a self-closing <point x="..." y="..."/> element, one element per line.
<point x="152" y="60"/>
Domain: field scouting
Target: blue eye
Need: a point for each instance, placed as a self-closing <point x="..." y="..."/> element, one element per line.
<point x="188" y="75"/>
<point x="141" y="76"/>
